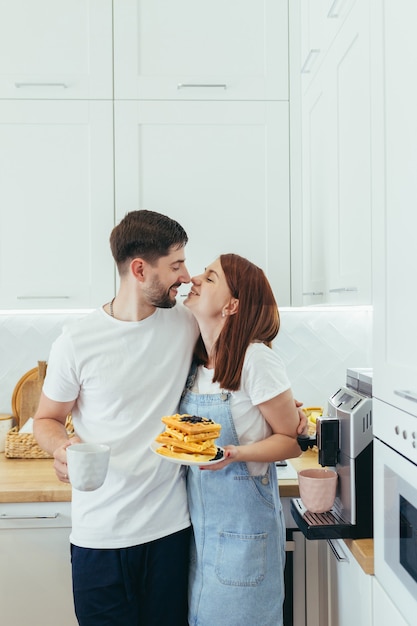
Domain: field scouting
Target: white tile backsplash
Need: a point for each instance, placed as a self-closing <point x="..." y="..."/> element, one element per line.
<point x="317" y="345"/>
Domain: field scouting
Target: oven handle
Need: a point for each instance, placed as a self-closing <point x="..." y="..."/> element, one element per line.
<point x="407" y="394"/>
<point x="338" y="552"/>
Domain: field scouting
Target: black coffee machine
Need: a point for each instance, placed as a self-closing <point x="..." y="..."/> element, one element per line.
<point x="344" y="440"/>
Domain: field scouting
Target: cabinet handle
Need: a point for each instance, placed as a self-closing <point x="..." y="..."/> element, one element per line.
<point x="338" y="552"/>
<point x="187" y="85"/>
<point x="310" y="60"/>
<point x="407" y="394"/>
<point x="342" y="289"/>
<point x="43" y="297"/>
<point x="334" y="10"/>
<point x="50" y="516"/>
<point x="312" y="293"/>
<point x="60" y="85"/>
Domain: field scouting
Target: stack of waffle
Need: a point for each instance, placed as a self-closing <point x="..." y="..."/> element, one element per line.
<point x="189" y="437"/>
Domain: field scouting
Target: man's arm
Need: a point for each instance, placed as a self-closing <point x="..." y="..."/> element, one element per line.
<point x="50" y="432"/>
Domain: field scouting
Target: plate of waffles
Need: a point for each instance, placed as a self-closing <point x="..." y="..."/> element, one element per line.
<point x="189" y="440"/>
<point x="187" y="458"/>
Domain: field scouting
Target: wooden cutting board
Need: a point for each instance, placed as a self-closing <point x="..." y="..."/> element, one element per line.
<point x="30" y="393"/>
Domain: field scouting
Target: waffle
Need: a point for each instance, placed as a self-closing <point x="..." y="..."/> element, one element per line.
<point x="188" y="437"/>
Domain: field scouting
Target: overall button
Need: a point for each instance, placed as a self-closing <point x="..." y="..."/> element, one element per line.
<point x="265" y="480"/>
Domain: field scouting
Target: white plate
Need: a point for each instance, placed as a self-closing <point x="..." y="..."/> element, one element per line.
<point x="155" y="445"/>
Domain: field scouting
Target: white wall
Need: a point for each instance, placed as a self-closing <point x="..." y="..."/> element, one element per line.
<point x="317" y="345"/>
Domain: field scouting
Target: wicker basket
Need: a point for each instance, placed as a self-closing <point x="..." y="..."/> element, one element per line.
<point x="24" y="446"/>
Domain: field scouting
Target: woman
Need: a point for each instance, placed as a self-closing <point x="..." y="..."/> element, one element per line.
<point x="237" y="562"/>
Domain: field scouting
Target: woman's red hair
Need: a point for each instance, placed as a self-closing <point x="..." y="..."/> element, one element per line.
<point x="256" y="320"/>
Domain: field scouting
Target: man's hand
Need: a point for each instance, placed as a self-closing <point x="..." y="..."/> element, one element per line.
<point x="60" y="459"/>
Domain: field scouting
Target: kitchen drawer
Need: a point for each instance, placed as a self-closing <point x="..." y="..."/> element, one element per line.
<point x="35" y="515"/>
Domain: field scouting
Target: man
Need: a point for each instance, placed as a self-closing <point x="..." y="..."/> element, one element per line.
<point x="118" y="371"/>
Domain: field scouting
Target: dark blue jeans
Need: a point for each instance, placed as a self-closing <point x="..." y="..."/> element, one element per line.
<point x="143" y="585"/>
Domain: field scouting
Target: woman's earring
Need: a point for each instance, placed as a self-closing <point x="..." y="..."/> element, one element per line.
<point x="223" y="314"/>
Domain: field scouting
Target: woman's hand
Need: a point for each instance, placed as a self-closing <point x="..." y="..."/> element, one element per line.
<point x="230" y="455"/>
<point x="302" y="428"/>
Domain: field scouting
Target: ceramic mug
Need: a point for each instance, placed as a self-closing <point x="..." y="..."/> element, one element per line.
<point x="87" y="465"/>
<point x="6" y="423"/>
<point x="317" y="489"/>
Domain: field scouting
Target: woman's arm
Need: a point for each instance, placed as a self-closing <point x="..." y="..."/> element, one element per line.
<point x="282" y="415"/>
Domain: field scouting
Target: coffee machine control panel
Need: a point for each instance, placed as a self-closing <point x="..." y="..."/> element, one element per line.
<point x="354" y="412"/>
<point x="345" y="399"/>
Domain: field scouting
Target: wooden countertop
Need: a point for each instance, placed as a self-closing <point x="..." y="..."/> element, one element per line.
<point x="34" y="480"/>
<point x="30" y="480"/>
<point x="363" y="551"/>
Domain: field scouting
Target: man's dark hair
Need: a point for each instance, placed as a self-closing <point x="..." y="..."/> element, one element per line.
<point x="145" y="234"/>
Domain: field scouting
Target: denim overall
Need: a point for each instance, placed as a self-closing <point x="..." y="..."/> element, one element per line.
<point x="237" y="562"/>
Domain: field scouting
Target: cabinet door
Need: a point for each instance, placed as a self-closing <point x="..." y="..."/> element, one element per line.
<point x="194" y="50"/>
<point x="56" y="204"/>
<point x="394" y="209"/>
<point x="384" y="611"/>
<point x="219" y="168"/>
<point x="35" y="571"/>
<point x="349" y="269"/>
<point x="336" y="170"/>
<point x="316" y="161"/>
<point x="35" y="566"/>
<point x="349" y="588"/>
<point x="320" y="22"/>
<point x="56" y="49"/>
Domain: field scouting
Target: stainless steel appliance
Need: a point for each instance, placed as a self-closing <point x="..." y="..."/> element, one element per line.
<point x="395" y="505"/>
<point x="344" y="438"/>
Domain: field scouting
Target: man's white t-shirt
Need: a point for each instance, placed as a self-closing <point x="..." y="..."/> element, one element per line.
<point x="126" y="376"/>
<point x="263" y="377"/>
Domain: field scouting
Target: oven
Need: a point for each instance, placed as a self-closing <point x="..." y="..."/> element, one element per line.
<point x="395" y="506"/>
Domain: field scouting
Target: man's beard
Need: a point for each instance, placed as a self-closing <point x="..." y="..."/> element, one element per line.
<point x="160" y="297"/>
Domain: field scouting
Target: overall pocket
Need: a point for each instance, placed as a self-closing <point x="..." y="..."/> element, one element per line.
<point x="241" y="559"/>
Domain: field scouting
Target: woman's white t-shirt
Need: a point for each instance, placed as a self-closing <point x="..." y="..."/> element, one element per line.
<point x="263" y="378"/>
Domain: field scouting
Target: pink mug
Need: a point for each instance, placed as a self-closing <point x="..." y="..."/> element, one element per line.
<point x="317" y="489"/>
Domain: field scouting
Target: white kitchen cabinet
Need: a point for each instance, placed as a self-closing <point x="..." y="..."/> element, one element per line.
<point x="349" y="175"/>
<point x="349" y="589"/>
<point x="56" y="199"/>
<point x="220" y="168"/>
<point x="35" y="566"/>
<point x="194" y="50"/>
<point x="201" y="104"/>
<point x="336" y="176"/>
<point x="56" y="49"/>
<point x="394" y="205"/>
<point x="319" y="25"/>
<point x="316" y="154"/>
<point x="384" y="611"/>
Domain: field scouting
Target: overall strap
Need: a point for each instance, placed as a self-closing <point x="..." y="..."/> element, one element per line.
<point x="191" y="377"/>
